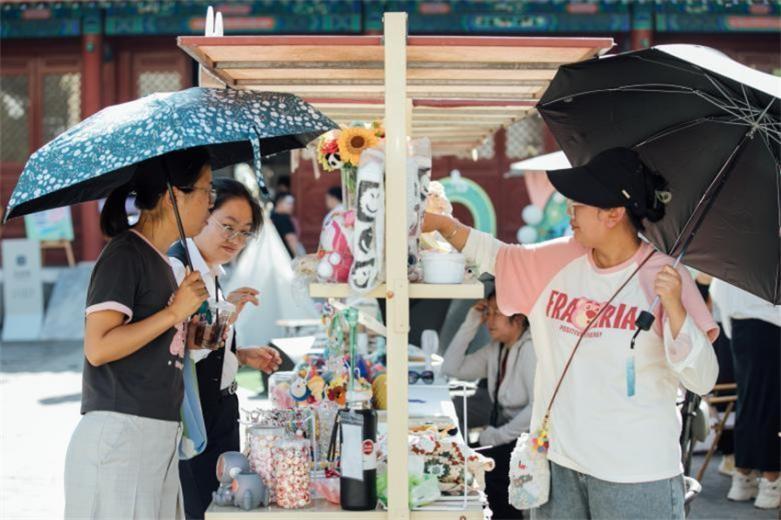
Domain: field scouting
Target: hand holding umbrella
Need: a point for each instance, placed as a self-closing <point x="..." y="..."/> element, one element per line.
<point x="189" y="296"/>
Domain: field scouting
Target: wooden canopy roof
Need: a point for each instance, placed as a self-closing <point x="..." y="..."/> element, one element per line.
<point x="460" y="89"/>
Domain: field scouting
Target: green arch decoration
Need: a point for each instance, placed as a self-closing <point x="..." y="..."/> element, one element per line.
<point x="470" y="194"/>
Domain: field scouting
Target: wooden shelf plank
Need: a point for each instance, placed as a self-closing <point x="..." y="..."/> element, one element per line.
<point x="465" y="291"/>
<point x="322" y="510"/>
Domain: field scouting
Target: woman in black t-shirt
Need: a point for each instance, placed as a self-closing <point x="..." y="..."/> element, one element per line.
<point x="122" y="460"/>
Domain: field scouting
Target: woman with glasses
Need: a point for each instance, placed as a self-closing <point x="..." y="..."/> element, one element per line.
<point x="508" y="362"/>
<point x="235" y="219"/>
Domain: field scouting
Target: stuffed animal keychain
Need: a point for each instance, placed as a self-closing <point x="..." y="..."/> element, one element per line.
<point x="368" y="235"/>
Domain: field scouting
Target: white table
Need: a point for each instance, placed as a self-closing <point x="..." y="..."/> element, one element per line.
<point x="426" y="402"/>
<point x="296" y="347"/>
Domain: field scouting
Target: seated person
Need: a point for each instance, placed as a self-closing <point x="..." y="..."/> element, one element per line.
<point x="509" y="364"/>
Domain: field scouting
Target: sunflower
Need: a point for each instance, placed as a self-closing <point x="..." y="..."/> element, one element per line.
<point x="353" y="141"/>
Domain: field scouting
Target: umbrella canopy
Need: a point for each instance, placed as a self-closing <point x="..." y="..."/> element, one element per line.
<point x="711" y="127"/>
<point x="545" y="162"/>
<point x="92" y="158"/>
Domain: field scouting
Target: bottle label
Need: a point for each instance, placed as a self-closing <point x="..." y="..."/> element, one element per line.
<point x="352" y="448"/>
<point x="369" y="455"/>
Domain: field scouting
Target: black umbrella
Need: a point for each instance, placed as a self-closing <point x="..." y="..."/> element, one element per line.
<point x="711" y="127"/>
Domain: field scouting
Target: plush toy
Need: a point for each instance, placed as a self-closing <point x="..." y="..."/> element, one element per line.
<point x="316" y="387"/>
<point x="334" y="253"/>
<point x="436" y="199"/>
<point x="477" y="464"/>
<point x="299" y="390"/>
<point x="444" y="456"/>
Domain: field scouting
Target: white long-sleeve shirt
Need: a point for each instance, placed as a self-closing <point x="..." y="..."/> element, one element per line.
<point x="230" y="365"/>
<point x="517" y="388"/>
<point x="595" y="427"/>
<point x="735" y="303"/>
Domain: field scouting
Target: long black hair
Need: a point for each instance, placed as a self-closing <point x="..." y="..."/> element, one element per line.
<point x="228" y="189"/>
<point x="148" y="184"/>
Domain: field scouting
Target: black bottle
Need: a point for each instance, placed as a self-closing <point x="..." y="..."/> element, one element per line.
<point x="358" y="424"/>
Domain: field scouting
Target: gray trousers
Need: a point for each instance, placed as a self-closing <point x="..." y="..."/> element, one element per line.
<point x="574" y="495"/>
<point x="123" y="466"/>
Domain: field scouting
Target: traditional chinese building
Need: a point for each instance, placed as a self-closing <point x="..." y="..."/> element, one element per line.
<point x="61" y="61"/>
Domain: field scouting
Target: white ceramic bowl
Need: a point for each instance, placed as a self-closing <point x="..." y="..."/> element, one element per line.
<point x="443" y="268"/>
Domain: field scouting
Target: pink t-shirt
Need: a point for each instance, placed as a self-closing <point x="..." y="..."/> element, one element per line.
<point x="596" y="428"/>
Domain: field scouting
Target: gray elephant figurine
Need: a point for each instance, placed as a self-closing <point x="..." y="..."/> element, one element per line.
<point x="223" y="496"/>
<point x="230" y="464"/>
<point x="239" y="486"/>
<point x="249" y="492"/>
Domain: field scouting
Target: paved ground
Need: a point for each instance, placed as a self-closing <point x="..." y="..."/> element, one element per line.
<point x="40" y="389"/>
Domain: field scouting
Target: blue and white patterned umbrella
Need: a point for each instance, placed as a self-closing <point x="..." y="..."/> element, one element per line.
<point x="92" y="158"/>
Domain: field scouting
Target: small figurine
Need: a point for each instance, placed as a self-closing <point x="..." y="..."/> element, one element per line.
<point x="239" y="486"/>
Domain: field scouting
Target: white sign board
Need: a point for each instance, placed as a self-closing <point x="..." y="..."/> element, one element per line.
<point x="22" y="290"/>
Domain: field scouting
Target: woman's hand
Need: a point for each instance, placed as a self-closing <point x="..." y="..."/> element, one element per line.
<point x="668" y="287"/>
<point x="449" y="227"/>
<point x="432" y="222"/>
<point x="265" y="359"/>
<point x="242" y="296"/>
<point x="191" y="294"/>
<point x="481" y="307"/>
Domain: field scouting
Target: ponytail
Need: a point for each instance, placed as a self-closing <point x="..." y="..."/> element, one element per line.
<point x="113" y="218"/>
<point x="182" y="168"/>
<point x="658" y="196"/>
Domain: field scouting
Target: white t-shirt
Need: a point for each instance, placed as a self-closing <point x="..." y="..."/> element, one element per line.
<point x="595" y="428"/>
<point x="230" y="365"/>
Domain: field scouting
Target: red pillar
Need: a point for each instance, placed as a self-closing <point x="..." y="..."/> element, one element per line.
<point x="641" y="39"/>
<point x="642" y="26"/>
<point x="91" y="57"/>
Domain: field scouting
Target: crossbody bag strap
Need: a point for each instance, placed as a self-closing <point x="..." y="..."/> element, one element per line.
<point x="583" y="334"/>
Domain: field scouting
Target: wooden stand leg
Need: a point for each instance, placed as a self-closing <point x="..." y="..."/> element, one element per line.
<point x="57" y="244"/>
<point x="714" y="445"/>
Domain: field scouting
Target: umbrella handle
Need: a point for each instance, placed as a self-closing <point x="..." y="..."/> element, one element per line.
<point x="179" y="225"/>
<point x="646" y="318"/>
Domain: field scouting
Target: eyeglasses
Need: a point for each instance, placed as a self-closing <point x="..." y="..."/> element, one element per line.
<point x="231" y="234"/>
<point x="571" y="205"/>
<point x="427" y="376"/>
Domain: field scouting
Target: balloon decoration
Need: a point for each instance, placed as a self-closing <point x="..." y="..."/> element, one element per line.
<point x="527" y="235"/>
<point x="532" y="215"/>
<point x="549" y="222"/>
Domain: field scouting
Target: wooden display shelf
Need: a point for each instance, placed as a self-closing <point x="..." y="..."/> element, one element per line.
<point x="465" y="291"/>
<point x="323" y="510"/>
